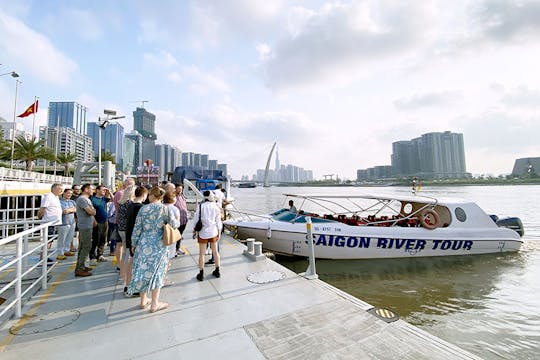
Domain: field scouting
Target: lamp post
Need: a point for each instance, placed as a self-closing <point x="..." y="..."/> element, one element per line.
<point x="17" y="82"/>
<point x="102" y="124"/>
<point x="15" y="76"/>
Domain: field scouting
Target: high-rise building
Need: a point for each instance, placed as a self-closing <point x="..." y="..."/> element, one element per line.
<point x="212" y="164"/>
<point x="144" y="123"/>
<point x="112" y="140"/>
<point x="204" y="161"/>
<point x="67" y="114"/>
<point x="223" y="168"/>
<point x="134" y="142"/>
<point x="69" y="140"/>
<point x="432" y="155"/>
<point x="167" y="158"/>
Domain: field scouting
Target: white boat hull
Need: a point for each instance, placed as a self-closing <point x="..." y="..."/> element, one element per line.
<point x="339" y="241"/>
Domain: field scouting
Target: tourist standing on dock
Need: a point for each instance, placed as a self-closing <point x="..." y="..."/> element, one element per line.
<point x="150" y="260"/>
<point x="66" y="230"/>
<point x="99" y="234"/>
<point x="51" y="210"/>
<point x="85" y="219"/>
<point x="210" y="216"/>
<point x="141" y="193"/>
<point x="181" y="205"/>
<point x="128" y="194"/>
<point x="76" y="193"/>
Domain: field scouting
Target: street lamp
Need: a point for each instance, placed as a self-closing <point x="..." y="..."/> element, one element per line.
<point x="15" y="76"/>
<point x="12" y="73"/>
<point x="102" y="124"/>
<point x="17" y="82"/>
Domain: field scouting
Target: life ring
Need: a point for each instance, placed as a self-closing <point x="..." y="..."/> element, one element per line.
<point x="429" y="219"/>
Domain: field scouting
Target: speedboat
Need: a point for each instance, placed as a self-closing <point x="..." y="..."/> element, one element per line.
<point x="385" y="226"/>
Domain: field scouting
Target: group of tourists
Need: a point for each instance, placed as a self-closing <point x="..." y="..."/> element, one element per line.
<point x="131" y="221"/>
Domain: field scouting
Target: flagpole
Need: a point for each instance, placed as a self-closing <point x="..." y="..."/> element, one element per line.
<point x="14" y="122"/>
<point x="34" y="119"/>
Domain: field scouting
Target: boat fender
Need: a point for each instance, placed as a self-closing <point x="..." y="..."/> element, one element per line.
<point x="268" y="233"/>
<point x="429" y="219"/>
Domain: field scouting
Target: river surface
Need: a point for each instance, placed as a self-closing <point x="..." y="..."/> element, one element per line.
<point x="486" y="304"/>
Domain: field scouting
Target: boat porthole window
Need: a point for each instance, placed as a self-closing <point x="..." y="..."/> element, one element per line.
<point x="407" y="208"/>
<point x="460" y="214"/>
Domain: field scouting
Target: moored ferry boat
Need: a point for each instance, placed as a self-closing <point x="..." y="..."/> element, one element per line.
<point x="370" y="226"/>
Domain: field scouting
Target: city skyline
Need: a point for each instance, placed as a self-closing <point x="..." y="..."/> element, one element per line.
<point x="335" y="83"/>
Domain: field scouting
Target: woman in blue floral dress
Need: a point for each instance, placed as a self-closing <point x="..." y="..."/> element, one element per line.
<point x="150" y="259"/>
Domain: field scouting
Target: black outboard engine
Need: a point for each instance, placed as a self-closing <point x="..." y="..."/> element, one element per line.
<point x="513" y="223"/>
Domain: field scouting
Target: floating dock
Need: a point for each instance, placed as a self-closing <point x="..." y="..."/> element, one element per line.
<point x="256" y="310"/>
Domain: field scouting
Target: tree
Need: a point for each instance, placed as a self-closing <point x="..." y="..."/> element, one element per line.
<point x="28" y="151"/>
<point x="107" y="156"/>
<point x="66" y="159"/>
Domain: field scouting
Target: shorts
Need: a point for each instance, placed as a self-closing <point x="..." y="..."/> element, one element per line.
<point x="204" y="241"/>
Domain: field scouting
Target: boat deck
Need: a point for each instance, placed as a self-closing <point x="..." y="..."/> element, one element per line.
<point x="281" y="315"/>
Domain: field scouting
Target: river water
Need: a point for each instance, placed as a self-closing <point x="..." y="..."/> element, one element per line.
<point x="486" y="304"/>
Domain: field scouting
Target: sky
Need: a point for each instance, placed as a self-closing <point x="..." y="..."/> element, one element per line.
<point x="334" y="83"/>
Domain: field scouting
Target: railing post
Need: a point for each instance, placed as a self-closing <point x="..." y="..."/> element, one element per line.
<point x="44" y="263"/>
<point x="18" y="285"/>
<point x="311" y="272"/>
<point x="25" y="247"/>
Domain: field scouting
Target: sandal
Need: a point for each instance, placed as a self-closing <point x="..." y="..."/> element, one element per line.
<point x="160" y="306"/>
<point x="145" y="305"/>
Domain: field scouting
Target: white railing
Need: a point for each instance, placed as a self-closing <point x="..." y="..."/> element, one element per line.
<point x="31" y="176"/>
<point x="17" y="247"/>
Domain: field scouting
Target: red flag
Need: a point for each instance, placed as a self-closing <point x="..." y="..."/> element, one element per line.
<point x="31" y="109"/>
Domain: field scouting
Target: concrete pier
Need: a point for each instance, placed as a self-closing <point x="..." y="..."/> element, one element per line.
<point x="256" y="310"/>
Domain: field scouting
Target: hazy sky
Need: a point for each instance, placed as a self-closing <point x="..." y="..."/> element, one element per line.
<point x="333" y="82"/>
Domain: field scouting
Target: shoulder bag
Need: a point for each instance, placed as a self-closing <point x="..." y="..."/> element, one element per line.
<point x="198" y="225"/>
<point x="170" y="234"/>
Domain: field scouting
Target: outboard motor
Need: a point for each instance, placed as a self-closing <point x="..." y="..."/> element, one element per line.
<point x="512" y="223"/>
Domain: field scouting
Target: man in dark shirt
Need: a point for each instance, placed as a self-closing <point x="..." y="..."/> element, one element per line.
<point x="99" y="234"/>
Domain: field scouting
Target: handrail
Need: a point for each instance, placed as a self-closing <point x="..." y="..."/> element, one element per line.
<point x="20" y="261"/>
<point x="32" y="176"/>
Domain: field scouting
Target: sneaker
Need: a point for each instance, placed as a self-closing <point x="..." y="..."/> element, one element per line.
<point x="101" y="259"/>
<point x="88" y="268"/>
<point x="61" y="257"/>
<point x="93" y="262"/>
<point x="82" y="273"/>
<point x="208" y="251"/>
<point x="180" y="252"/>
<point x="73" y="250"/>
<point x="68" y="253"/>
<point x="209" y="262"/>
<point x="49" y="260"/>
<point x="216" y="273"/>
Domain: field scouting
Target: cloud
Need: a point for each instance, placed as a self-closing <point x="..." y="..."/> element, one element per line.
<point x="442" y="98"/>
<point x="200" y="82"/>
<point x="162" y="59"/>
<point x="522" y="96"/>
<point x="504" y="20"/>
<point x="22" y="45"/>
<point x="82" y="22"/>
<point x="340" y="39"/>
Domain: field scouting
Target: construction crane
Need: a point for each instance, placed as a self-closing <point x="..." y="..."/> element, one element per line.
<point x="140" y="101"/>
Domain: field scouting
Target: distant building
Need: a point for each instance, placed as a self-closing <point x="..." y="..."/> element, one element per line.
<point x="436" y="155"/>
<point x="144" y="123"/>
<point x="112" y="140"/>
<point x="527" y="167"/>
<point x="167" y="158"/>
<point x="70" y="141"/>
<point x="67" y="114"/>
<point x="10" y="129"/>
<point x="212" y="164"/>
<point x="133" y="150"/>
<point x="223" y="168"/>
<point x="285" y="173"/>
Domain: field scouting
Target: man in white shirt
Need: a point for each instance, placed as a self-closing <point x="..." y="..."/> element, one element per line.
<point x="51" y="210"/>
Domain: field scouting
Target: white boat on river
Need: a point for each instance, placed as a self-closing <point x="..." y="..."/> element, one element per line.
<point x="369" y="226"/>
